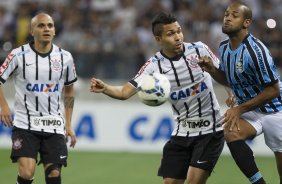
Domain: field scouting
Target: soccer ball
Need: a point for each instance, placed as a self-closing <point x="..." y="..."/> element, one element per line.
<point x="154" y="89"/>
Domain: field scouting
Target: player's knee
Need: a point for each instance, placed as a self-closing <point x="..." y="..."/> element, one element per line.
<point x="196" y="179"/>
<point x="53" y="174"/>
<point x="173" y="181"/>
<point x="26" y="174"/>
<point x="53" y="170"/>
<point x="230" y="136"/>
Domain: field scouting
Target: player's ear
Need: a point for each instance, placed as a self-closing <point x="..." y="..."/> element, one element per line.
<point x="158" y="38"/>
<point x="31" y="32"/>
<point x="247" y="23"/>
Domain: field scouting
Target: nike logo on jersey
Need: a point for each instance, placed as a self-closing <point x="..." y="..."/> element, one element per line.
<point x="201" y="162"/>
<point x="28" y="64"/>
<point x="62" y="156"/>
<point x="164" y="72"/>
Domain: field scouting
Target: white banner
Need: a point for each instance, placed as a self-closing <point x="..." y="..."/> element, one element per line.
<point x="124" y="126"/>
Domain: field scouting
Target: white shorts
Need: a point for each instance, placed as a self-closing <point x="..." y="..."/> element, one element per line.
<point x="269" y="124"/>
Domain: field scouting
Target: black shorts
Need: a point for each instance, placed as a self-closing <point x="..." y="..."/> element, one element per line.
<point x="52" y="147"/>
<point x="181" y="152"/>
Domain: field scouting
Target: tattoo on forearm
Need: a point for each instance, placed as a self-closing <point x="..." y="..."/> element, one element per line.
<point x="69" y="101"/>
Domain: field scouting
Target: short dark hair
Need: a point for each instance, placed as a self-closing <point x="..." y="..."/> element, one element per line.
<point x="160" y="20"/>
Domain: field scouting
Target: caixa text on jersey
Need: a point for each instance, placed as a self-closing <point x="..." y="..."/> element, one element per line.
<point x="42" y="87"/>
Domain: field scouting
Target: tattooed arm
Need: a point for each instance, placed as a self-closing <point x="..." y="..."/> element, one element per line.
<point x="68" y="103"/>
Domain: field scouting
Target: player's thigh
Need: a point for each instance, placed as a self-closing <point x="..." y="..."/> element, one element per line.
<point x="26" y="167"/>
<point x="24" y="144"/>
<point x="272" y="128"/>
<point x="197" y="175"/>
<point x="250" y="126"/>
<point x="175" y="159"/>
<point x="54" y="150"/>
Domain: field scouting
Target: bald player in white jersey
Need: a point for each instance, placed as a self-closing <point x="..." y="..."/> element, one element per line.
<point x="42" y="72"/>
<point x="197" y="139"/>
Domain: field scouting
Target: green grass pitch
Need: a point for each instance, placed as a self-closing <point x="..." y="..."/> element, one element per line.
<point x="129" y="168"/>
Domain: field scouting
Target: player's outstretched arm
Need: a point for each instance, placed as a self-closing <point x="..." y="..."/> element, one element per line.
<point x="118" y="92"/>
<point x="5" y="112"/>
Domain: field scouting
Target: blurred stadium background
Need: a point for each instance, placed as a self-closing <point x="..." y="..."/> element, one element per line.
<point x="121" y="142"/>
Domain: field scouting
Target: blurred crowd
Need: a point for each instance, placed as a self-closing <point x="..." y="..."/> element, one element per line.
<point x="112" y="38"/>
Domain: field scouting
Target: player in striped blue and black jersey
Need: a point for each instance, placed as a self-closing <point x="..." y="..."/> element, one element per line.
<point x="247" y="67"/>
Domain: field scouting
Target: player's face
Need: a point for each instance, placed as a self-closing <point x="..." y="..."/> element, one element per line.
<point x="233" y="21"/>
<point x="43" y="29"/>
<point x="171" y="40"/>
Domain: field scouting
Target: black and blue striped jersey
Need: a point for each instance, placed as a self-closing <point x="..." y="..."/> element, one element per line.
<point x="249" y="69"/>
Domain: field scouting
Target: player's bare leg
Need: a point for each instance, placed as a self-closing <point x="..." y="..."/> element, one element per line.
<point x="26" y="169"/>
<point x="173" y="181"/>
<point x="278" y="156"/>
<point x="197" y="176"/>
<point x="52" y="173"/>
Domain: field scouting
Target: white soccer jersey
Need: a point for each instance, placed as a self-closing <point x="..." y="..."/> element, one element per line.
<point x="195" y="107"/>
<point x="39" y="80"/>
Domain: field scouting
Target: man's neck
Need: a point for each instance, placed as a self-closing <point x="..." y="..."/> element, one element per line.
<point x="42" y="47"/>
<point x="237" y="39"/>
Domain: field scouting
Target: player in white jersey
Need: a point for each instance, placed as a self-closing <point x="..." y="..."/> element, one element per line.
<point x="42" y="72"/>
<point x="197" y="139"/>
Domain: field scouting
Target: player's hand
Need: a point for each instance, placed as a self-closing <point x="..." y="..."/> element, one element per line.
<point x="97" y="86"/>
<point x="230" y="101"/>
<point x="206" y="63"/>
<point x="70" y="133"/>
<point x="6" y="116"/>
<point x="231" y="118"/>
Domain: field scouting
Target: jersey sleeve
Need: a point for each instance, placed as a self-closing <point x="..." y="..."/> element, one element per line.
<point x="209" y="53"/>
<point x="70" y="74"/>
<point x="148" y="68"/>
<point x="8" y="67"/>
<point x="261" y="61"/>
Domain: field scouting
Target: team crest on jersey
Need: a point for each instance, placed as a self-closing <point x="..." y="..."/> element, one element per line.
<point x="239" y="66"/>
<point x="192" y="60"/>
<point x="17" y="144"/>
<point x="56" y="64"/>
<point x="36" y="122"/>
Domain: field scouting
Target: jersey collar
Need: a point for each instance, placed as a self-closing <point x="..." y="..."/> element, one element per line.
<point x="175" y="58"/>
<point x="40" y="54"/>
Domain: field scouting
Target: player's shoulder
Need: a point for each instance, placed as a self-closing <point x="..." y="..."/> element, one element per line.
<point x="57" y="49"/>
<point x="195" y="45"/>
<point x="251" y="40"/>
<point x="157" y="57"/>
<point x="21" y="50"/>
<point x="224" y="42"/>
